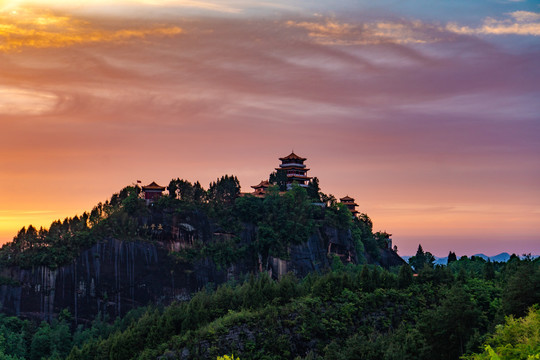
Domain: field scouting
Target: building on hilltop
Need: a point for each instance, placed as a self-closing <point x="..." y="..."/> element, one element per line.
<point x="294" y="168"/>
<point x="152" y="192"/>
<point x="350" y="204"/>
<point x="260" y="189"/>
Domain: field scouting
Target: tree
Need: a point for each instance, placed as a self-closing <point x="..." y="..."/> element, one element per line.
<point x="224" y="191"/>
<point x="451" y="257"/>
<point x="287" y="220"/>
<point x="329" y="200"/>
<point x="405" y="276"/>
<point x="279" y="178"/>
<point x="338" y="216"/>
<point x="198" y="193"/>
<point x="489" y="271"/>
<point x="516" y="339"/>
<point x="313" y="189"/>
<point x="522" y="288"/>
<point x="248" y="209"/>
<point x="421" y="259"/>
<point x="449" y="327"/>
<point x="366" y="279"/>
<point x="41" y="346"/>
<point x="382" y="238"/>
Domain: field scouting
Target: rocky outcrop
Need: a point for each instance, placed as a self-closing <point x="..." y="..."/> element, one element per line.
<point x="114" y="276"/>
<point x="315" y="254"/>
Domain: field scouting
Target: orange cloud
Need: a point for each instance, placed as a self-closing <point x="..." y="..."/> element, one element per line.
<point x="521" y="23"/>
<point x="25" y="102"/>
<point x="332" y="32"/>
<point x="43" y="29"/>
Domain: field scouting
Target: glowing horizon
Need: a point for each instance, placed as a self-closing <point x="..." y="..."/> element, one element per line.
<point x="427" y="116"/>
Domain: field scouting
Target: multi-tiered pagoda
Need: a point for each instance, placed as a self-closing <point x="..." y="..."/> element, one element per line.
<point x="293" y="166"/>
<point x="350" y="204"/>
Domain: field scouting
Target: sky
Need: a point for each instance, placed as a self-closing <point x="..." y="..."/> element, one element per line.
<point x="426" y="112"/>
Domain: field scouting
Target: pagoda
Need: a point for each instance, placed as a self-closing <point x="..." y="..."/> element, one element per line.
<point x="152" y="192"/>
<point x="350" y="204"/>
<point x="294" y="167"/>
<point x="260" y="189"/>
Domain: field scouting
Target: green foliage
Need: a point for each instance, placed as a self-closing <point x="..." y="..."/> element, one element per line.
<point x="13" y="338"/>
<point x="279" y="179"/>
<point x="339" y="216"/>
<point x="421" y="259"/>
<point x="364" y="226"/>
<point x="286" y="220"/>
<point x="522" y="288"/>
<point x="314" y="190"/>
<point x="516" y="339"/>
<point x="64" y="240"/>
<point x="249" y="209"/>
<point x="354" y="311"/>
<point x="405" y="276"/>
<point x="449" y="328"/>
<point x="224" y="191"/>
<point x="489" y="271"/>
<point x="51" y="341"/>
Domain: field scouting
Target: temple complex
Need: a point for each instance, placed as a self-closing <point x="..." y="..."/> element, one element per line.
<point x="295" y="169"/>
<point x="350" y="204"/>
<point x="152" y="192"/>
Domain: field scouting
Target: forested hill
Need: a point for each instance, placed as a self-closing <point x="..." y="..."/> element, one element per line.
<point x="128" y="252"/>
<point x="349" y="312"/>
<point x="276" y="278"/>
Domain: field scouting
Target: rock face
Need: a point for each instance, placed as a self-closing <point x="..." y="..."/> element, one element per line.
<point x="113" y="276"/>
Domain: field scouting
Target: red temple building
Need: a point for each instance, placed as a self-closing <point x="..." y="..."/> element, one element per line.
<point x="350" y="204"/>
<point x="295" y="169"/>
<point x="260" y="189"/>
<point x="152" y="192"/>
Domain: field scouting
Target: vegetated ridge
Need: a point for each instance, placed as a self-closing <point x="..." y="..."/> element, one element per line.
<point x="136" y="249"/>
<point x="298" y="281"/>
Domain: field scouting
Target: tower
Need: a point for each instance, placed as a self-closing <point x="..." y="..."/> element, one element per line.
<point x="350" y="204"/>
<point x="296" y="171"/>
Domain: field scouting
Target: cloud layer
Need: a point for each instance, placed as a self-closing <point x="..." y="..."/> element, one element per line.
<point x="517" y="23"/>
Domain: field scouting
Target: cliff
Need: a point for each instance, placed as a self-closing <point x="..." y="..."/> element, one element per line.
<point x="114" y="276"/>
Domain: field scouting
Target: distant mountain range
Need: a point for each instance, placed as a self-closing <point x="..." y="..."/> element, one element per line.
<point x="502" y="257"/>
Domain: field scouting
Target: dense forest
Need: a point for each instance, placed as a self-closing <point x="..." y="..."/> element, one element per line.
<point x="349" y="312"/>
<point x="353" y="309"/>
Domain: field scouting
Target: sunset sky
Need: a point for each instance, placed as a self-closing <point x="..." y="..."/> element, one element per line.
<point x="427" y="112"/>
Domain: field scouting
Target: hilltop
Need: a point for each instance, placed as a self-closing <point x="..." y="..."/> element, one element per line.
<point x="162" y="243"/>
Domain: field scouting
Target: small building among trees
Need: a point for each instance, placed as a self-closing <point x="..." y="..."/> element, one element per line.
<point x="260" y="189"/>
<point x="350" y="204"/>
<point x="152" y="192"/>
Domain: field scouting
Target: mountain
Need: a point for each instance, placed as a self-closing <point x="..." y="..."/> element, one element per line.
<point x="502" y="257"/>
<point x="441" y="260"/>
<point x="129" y="252"/>
<point x="438" y="260"/>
